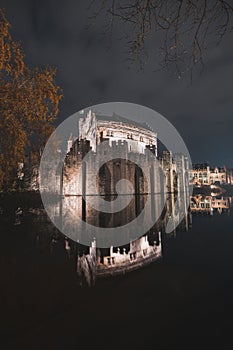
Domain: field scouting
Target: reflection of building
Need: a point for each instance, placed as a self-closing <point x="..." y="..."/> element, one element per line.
<point x="137" y="144"/>
<point x="208" y="204"/>
<point x="118" y="260"/>
<point x="203" y="174"/>
<point x="221" y="204"/>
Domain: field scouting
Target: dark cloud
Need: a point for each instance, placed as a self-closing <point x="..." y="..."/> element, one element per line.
<point x="60" y="33"/>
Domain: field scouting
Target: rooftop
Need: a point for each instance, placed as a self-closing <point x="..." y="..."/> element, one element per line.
<point x="117" y="118"/>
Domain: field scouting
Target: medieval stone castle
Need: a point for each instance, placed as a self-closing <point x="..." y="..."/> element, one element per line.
<point x="135" y="156"/>
<point x="79" y="178"/>
<point x="160" y="175"/>
<point x="132" y="138"/>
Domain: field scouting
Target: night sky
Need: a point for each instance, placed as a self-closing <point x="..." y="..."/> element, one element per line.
<point x="60" y="33"/>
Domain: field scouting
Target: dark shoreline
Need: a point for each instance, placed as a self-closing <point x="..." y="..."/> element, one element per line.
<point x="26" y="199"/>
<point x="10" y="201"/>
<point x="225" y="190"/>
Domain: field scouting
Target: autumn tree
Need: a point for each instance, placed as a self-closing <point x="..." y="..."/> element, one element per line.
<point x="180" y="29"/>
<point x="29" y="100"/>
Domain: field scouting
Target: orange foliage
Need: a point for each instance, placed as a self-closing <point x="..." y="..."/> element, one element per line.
<point x="29" y="101"/>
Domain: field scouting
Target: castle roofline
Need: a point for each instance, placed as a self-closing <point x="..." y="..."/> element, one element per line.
<point x="119" y="119"/>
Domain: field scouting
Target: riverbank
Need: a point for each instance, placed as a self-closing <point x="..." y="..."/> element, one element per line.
<point x="10" y="201"/>
<point x="225" y="190"/>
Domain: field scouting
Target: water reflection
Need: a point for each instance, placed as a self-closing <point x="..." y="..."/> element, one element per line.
<point x="92" y="262"/>
<point x="209" y="204"/>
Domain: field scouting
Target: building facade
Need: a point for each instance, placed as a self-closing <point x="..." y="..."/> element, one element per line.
<point x="203" y="174"/>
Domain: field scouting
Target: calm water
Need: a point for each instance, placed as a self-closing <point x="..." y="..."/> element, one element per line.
<point x="184" y="300"/>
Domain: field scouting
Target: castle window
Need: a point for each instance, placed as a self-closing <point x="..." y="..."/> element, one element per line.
<point x="141" y="139"/>
<point x="111" y="133"/>
<point x="108" y="133"/>
<point x="144" y="251"/>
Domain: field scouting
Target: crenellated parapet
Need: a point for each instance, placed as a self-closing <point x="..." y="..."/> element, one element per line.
<point x="80" y="177"/>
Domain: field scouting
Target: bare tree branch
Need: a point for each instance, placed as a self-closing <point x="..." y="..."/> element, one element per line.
<point x="182" y="28"/>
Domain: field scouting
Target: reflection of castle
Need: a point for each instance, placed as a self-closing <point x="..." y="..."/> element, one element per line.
<point x="79" y="179"/>
<point x="118" y="260"/>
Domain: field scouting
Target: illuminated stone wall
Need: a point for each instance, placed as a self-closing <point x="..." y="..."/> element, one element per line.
<point x="96" y="127"/>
